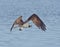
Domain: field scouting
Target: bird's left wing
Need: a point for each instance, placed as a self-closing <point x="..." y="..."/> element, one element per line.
<point x="37" y="21"/>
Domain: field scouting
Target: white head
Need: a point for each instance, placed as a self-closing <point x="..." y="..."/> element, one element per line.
<point x="26" y="25"/>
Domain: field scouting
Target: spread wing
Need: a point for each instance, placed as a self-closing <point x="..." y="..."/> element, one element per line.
<point x="37" y="21"/>
<point x="18" y="21"/>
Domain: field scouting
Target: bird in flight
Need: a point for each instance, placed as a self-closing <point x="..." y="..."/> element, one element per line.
<point x="24" y="24"/>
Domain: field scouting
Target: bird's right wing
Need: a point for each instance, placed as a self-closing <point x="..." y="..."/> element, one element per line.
<point x="17" y="21"/>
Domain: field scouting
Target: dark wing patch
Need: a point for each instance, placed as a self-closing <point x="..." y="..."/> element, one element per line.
<point x="12" y="26"/>
<point x="37" y="21"/>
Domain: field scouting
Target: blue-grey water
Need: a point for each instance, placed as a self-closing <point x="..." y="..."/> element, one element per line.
<point x="47" y="10"/>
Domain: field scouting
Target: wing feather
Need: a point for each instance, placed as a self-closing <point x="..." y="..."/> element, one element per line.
<point x="18" y="21"/>
<point x="12" y="26"/>
<point x="37" y="21"/>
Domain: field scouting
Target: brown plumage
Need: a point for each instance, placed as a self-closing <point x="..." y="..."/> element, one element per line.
<point x="18" y="21"/>
<point x="37" y="21"/>
<point x="34" y="18"/>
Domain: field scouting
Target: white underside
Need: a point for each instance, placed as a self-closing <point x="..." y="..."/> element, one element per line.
<point x="26" y="25"/>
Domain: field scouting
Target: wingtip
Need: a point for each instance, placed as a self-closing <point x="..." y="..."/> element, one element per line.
<point x="44" y="29"/>
<point x="10" y="29"/>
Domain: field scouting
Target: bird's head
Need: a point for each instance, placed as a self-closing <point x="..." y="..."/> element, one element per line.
<point x="26" y="25"/>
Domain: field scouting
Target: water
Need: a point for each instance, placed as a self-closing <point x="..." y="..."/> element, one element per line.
<point x="47" y="10"/>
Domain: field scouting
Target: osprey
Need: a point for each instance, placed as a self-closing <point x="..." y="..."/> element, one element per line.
<point x="24" y="24"/>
